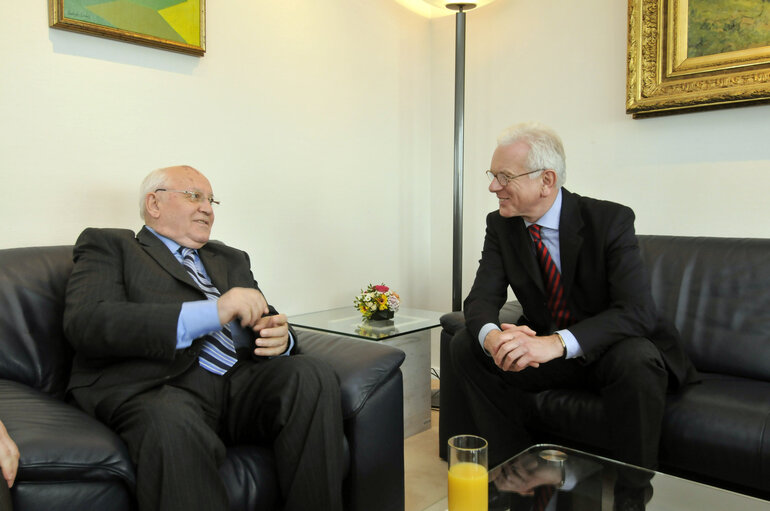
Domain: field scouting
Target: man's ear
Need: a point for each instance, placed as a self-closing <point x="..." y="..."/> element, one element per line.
<point x="151" y="207"/>
<point x="548" y="182"/>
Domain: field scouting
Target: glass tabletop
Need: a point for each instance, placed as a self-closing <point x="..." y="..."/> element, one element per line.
<point x="348" y="321"/>
<point x="590" y="482"/>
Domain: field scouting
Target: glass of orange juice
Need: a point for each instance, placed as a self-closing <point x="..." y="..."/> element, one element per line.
<point x="468" y="478"/>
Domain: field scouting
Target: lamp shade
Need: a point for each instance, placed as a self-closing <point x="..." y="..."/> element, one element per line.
<point x="440" y="8"/>
<point x="456" y="6"/>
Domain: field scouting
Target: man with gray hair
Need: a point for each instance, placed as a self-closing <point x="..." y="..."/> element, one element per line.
<point x="178" y="351"/>
<point x="588" y="321"/>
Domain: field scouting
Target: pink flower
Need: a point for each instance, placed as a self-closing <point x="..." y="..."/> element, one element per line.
<point x="381" y="289"/>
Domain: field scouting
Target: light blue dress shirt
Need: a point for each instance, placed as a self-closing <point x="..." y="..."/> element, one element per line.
<point x="200" y="317"/>
<point x="549" y="233"/>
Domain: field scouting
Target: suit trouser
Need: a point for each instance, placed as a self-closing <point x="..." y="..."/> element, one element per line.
<point x="630" y="376"/>
<point x="177" y="433"/>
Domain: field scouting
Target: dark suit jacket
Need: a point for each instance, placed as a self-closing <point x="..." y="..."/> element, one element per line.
<point x="604" y="280"/>
<point x="123" y="302"/>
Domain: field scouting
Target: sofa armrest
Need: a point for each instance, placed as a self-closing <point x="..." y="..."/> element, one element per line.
<point x="362" y="366"/>
<point x="452" y="322"/>
<point x="372" y="396"/>
<point x="58" y="442"/>
<point x="455" y="415"/>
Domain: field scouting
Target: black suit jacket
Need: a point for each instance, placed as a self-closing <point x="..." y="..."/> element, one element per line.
<point x="604" y="280"/>
<point x="122" y="306"/>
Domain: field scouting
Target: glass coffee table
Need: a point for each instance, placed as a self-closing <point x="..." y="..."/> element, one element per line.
<point x="554" y="474"/>
<point x="409" y="330"/>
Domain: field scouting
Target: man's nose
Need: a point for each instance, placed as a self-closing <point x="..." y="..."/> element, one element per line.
<point x="494" y="186"/>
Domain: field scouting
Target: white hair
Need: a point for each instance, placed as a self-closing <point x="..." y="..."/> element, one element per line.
<point x="154" y="180"/>
<point x="545" y="148"/>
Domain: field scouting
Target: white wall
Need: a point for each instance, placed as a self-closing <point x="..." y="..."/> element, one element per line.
<point x="309" y="118"/>
<point x="326" y="129"/>
<point x="564" y="64"/>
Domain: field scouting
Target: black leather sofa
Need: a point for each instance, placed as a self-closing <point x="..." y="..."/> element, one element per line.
<point x="717" y="292"/>
<point x="70" y="461"/>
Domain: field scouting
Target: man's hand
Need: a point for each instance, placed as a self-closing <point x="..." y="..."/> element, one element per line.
<point x="9" y="456"/>
<point x="244" y="303"/>
<point x="273" y="335"/>
<point x="517" y="347"/>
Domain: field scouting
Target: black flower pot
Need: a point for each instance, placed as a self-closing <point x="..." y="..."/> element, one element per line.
<point x="379" y="315"/>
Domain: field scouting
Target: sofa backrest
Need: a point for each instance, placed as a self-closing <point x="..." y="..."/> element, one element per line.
<point x="717" y="293"/>
<point x="33" y="349"/>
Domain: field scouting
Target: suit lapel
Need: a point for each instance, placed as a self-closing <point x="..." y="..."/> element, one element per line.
<point x="163" y="256"/>
<point x="216" y="267"/>
<point x="570" y="239"/>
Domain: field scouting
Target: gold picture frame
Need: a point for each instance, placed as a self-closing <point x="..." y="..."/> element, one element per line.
<point x="176" y="25"/>
<point x="663" y="79"/>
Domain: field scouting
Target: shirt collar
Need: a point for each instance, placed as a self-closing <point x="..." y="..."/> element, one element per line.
<point x="172" y="245"/>
<point x="550" y="220"/>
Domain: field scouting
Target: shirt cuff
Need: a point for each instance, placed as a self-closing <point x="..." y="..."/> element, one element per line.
<point x="483" y="335"/>
<point x="573" y="347"/>
<point x="196" y="319"/>
<point x="291" y="346"/>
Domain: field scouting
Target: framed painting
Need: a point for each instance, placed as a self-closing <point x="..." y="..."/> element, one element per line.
<point x="694" y="54"/>
<point x="176" y="25"/>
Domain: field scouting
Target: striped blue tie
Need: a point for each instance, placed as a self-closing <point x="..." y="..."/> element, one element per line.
<point x="218" y="352"/>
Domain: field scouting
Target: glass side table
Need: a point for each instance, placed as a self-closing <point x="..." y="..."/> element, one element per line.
<point x="409" y="330"/>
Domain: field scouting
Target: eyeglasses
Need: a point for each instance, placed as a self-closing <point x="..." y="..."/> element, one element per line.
<point x="196" y="197"/>
<point x="505" y="179"/>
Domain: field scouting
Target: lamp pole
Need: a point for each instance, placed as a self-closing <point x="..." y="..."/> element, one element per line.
<point x="457" y="244"/>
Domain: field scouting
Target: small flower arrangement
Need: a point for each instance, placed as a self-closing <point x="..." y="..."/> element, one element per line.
<point x="377" y="302"/>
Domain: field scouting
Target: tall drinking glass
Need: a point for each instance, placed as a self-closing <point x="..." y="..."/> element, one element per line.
<point x="468" y="478"/>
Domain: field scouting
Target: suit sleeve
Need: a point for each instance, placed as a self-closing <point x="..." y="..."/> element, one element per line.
<point x="490" y="287"/>
<point x="100" y="320"/>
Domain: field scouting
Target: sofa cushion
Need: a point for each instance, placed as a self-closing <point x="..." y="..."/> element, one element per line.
<point x="720" y="428"/>
<point x="716" y="292"/>
<point x="32" y="286"/>
<point x="716" y="428"/>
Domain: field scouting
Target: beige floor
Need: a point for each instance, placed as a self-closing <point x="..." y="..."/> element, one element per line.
<point x="425" y="474"/>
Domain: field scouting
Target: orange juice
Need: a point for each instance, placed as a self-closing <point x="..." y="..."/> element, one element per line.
<point x="467" y="487"/>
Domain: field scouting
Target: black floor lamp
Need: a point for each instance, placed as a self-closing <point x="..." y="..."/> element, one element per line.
<point x="457" y="244"/>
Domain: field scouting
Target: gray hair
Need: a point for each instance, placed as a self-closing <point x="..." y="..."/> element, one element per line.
<point x="545" y="148"/>
<point x="154" y="180"/>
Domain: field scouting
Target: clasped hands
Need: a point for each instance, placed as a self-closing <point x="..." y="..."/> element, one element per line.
<point x="516" y="347"/>
<point x="250" y="307"/>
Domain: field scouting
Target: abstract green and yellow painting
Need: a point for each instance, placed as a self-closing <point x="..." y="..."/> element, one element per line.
<point x="177" y="25"/>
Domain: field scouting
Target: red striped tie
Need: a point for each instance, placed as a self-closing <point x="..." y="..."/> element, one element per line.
<point x="543" y="496"/>
<point x="557" y="302"/>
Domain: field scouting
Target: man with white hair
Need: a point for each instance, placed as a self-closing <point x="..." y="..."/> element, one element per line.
<point x="588" y="321"/>
<point x="178" y="351"/>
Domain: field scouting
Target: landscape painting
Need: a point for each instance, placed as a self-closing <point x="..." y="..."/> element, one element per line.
<point x="722" y="26"/>
<point x="685" y="55"/>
